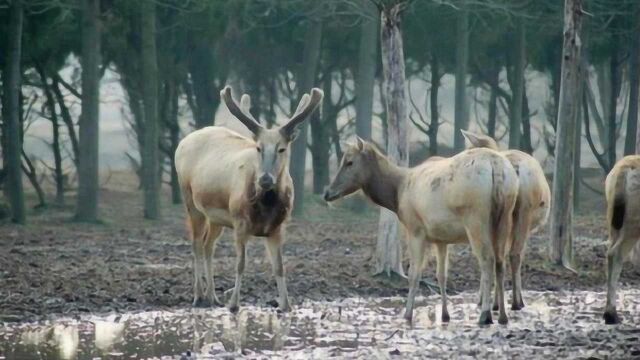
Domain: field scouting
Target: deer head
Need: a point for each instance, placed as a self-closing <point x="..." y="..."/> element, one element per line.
<point x="272" y="145"/>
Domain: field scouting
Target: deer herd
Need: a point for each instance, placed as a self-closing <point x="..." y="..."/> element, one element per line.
<point x="491" y="199"/>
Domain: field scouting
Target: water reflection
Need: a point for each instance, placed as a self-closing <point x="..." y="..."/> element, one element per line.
<point x="558" y="324"/>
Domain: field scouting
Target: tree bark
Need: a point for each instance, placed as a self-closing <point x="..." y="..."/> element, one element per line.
<point x="634" y="84"/>
<point x="461" y="119"/>
<point x="519" y="87"/>
<point x="577" y="169"/>
<point x="11" y="83"/>
<point x="67" y="119"/>
<point x="365" y="78"/>
<point x="150" y="153"/>
<point x="493" y="101"/>
<point x="389" y="248"/>
<point x="614" y="68"/>
<point x="307" y="77"/>
<point x="433" y="102"/>
<point x="88" y="165"/>
<point x="561" y="231"/>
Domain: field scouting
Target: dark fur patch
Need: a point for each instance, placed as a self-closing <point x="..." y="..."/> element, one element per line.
<point x="617" y="218"/>
<point x="268" y="211"/>
<point x="435" y="184"/>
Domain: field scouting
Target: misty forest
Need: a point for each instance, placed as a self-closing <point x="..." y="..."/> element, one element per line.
<point x="319" y="178"/>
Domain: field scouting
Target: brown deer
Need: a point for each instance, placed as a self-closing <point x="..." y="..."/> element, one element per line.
<point x="532" y="206"/>
<point x="228" y="180"/>
<point x="622" y="189"/>
<point x="467" y="198"/>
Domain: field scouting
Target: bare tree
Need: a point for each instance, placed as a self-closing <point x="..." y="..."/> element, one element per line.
<point x="461" y="116"/>
<point x="388" y="257"/>
<point x="561" y="226"/>
<point x="11" y="84"/>
<point x="519" y="87"/>
<point x="88" y="164"/>
<point x="150" y="151"/>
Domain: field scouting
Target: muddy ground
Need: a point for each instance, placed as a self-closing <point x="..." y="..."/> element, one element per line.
<point x="55" y="267"/>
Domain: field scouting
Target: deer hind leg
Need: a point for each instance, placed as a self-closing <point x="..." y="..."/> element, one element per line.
<point x="479" y="239"/>
<point x="519" y="238"/>
<point x="441" y="274"/>
<point x="416" y="257"/>
<point x="273" y="245"/>
<point x="212" y="236"/>
<point x="198" y="224"/>
<point x="240" y="237"/>
<point x="620" y="245"/>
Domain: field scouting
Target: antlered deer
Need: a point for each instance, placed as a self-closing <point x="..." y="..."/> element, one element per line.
<point x="622" y="189"/>
<point x="228" y="180"/>
<point x="532" y="206"/>
<point x="466" y="198"/>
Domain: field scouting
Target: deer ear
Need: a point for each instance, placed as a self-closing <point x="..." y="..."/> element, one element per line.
<point x="359" y="143"/>
<point x="473" y="138"/>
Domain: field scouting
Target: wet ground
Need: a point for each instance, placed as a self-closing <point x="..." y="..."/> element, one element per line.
<point x="554" y="325"/>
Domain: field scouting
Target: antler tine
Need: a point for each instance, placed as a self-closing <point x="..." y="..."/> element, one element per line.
<point x="245" y="117"/>
<point x="307" y="105"/>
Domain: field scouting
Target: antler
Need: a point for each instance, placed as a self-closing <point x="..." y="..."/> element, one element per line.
<point x="306" y="106"/>
<point x="240" y="112"/>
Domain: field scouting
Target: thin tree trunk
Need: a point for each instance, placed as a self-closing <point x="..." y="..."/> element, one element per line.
<point x="634" y="84"/>
<point x="206" y="98"/>
<point x="32" y="176"/>
<point x="433" y="102"/>
<point x="461" y="120"/>
<point x="613" y="102"/>
<point x="55" y="144"/>
<point x="321" y="142"/>
<point x="67" y="119"/>
<point x="493" y="102"/>
<point x="561" y="226"/>
<point x="88" y="169"/>
<point x="365" y="80"/>
<point x="307" y="78"/>
<point x="525" y="141"/>
<point x="578" y="154"/>
<point x="389" y="248"/>
<point x="519" y="87"/>
<point x="11" y="84"/>
<point x="174" y="130"/>
<point x="150" y="153"/>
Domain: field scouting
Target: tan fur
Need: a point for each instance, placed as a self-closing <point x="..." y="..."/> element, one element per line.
<point x="443" y="202"/>
<point x="623" y="220"/>
<point x="220" y="175"/>
<point x="531" y="210"/>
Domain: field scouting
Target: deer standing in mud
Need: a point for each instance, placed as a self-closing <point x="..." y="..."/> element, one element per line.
<point x="531" y="210"/>
<point x="229" y="180"/>
<point x="622" y="190"/>
<point x="466" y="198"/>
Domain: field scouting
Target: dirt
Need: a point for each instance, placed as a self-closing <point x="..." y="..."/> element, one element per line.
<point x="55" y="267"/>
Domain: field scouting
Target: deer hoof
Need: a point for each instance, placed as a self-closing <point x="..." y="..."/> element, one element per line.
<point x="485" y="318"/>
<point x="611" y="317"/>
<point x="201" y="303"/>
<point x="445" y="316"/>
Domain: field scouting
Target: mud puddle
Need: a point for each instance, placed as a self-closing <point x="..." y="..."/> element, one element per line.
<point x="553" y="325"/>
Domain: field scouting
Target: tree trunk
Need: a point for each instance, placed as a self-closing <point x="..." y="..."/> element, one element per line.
<point x="321" y="142"/>
<point x="561" y="230"/>
<point x="206" y="97"/>
<point x="389" y="248"/>
<point x="614" y="68"/>
<point x="11" y="84"/>
<point x="88" y="169"/>
<point x="307" y="78"/>
<point x="365" y="80"/>
<point x="577" y="169"/>
<point x="55" y="144"/>
<point x="493" y="101"/>
<point x="461" y="120"/>
<point x="150" y="152"/>
<point x="67" y="119"/>
<point x="433" y="102"/>
<point x="634" y="84"/>
<point x="519" y="86"/>
<point x="525" y="141"/>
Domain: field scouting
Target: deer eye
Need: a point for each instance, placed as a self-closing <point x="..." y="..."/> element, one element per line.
<point x="281" y="150"/>
<point x="348" y="163"/>
<point x="259" y="149"/>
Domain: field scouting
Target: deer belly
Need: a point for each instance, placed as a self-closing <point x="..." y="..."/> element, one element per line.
<point x="219" y="216"/>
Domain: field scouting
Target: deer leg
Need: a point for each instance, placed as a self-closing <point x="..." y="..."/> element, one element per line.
<point x="209" y="249"/>
<point x="198" y="225"/>
<point x="620" y="245"/>
<point x="520" y="235"/>
<point x="416" y="256"/>
<point x="441" y="274"/>
<point x="481" y="246"/>
<point x="273" y="245"/>
<point x="241" y="251"/>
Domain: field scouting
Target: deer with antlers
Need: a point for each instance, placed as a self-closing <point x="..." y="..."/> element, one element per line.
<point x="229" y="180"/>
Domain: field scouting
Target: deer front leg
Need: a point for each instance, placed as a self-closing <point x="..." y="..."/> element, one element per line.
<point x="416" y="252"/>
<point x="240" y="237"/>
<point x="274" y="250"/>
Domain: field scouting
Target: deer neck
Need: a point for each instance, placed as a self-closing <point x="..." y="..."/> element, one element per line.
<point x="384" y="184"/>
